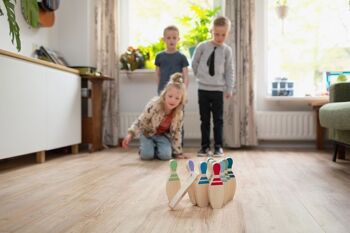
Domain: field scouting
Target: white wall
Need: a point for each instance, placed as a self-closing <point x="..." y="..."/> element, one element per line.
<point x="72" y="34"/>
<point x="75" y="26"/>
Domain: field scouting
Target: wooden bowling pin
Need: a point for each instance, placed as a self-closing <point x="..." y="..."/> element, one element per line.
<point x="224" y="180"/>
<point x="173" y="184"/>
<point x="210" y="162"/>
<point x="216" y="188"/>
<point x="229" y="183"/>
<point x="201" y="186"/>
<point x="191" y="190"/>
<point x="182" y="191"/>
<point x="232" y="177"/>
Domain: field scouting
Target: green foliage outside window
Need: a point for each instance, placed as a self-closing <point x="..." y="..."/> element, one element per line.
<point x="199" y="25"/>
<point x="150" y="53"/>
<point x="281" y="2"/>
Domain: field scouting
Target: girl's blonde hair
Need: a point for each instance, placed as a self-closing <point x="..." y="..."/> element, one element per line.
<point x="177" y="81"/>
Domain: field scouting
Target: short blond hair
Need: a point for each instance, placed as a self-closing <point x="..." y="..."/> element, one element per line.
<point x="221" y="21"/>
<point x="171" y="28"/>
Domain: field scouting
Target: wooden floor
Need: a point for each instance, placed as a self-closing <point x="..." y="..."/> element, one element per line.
<point x="113" y="191"/>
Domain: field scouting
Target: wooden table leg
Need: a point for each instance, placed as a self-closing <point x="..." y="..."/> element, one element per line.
<point x="40" y="156"/>
<point x="319" y="129"/>
<point x="96" y="100"/>
<point x="92" y="125"/>
<point x="341" y="152"/>
<point x="75" y="149"/>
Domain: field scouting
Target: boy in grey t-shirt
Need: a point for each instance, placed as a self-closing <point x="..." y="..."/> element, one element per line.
<point x="212" y="64"/>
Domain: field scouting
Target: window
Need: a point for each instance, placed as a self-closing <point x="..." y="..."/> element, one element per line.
<point x="142" y="22"/>
<point x="313" y="38"/>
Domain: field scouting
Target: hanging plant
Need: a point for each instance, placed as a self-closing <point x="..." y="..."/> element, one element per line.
<point x="281" y="2"/>
<point x="281" y="9"/>
<point x="11" y="18"/>
<point x="30" y="11"/>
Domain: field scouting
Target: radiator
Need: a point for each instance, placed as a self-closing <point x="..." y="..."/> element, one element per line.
<point x="286" y="125"/>
<point x="270" y="125"/>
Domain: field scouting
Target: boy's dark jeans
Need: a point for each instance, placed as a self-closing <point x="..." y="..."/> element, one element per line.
<point x="211" y="102"/>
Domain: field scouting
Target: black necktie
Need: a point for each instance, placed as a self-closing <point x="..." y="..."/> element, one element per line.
<point x="211" y="63"/>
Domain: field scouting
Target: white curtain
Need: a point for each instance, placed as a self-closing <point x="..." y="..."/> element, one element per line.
<point x="239" y="114"/>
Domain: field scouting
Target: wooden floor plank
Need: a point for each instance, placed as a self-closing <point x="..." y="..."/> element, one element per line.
<point x="278" y="190"/>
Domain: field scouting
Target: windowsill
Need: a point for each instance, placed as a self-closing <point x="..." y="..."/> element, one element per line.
<point x="142" y="73"/>
<point x="137" y="74"/>
<point x="311" y="100"/>
<point x="137" y="71"/>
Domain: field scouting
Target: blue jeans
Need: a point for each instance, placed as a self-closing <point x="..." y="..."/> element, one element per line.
<point x="156" y="146"/>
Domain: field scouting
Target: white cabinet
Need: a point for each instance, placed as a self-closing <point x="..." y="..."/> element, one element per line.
<point x="40" y="107"/>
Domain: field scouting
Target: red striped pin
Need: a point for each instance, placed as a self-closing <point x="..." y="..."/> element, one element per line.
<point x="216" y="188"/>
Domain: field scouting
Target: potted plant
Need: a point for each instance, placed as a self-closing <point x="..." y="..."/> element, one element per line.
<point x="30" y="12"/>
<point x="281" y="9"/>
<point x="199" y="26"/>
<point x="342" y="78"/>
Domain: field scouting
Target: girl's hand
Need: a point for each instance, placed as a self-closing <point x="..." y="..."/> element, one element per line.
<point x="126" y="141"/>
<point x="181" y="156"/>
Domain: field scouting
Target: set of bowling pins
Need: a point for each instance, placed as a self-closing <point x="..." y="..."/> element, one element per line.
<point x="215" y="185"/>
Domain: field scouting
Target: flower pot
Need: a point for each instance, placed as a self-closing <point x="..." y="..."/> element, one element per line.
<point x="282" y="11"/>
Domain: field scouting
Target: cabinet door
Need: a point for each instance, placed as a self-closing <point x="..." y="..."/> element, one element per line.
<point x="22" y="107"/>
<point x="64" y="109"/>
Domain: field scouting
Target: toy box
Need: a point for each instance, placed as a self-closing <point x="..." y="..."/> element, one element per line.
<point x="282" y="87"/>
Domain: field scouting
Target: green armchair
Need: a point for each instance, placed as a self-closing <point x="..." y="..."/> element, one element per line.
<point x="335" y="116"/>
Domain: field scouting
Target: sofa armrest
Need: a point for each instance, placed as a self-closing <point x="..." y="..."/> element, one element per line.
<point x="339" y="92"/>
<point x="335" y="115"/>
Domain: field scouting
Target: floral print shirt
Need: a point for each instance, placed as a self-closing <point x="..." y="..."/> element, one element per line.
<point x="148" y="122"/>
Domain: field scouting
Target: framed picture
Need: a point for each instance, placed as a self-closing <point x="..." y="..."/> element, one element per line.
<point x="331" y="77"/>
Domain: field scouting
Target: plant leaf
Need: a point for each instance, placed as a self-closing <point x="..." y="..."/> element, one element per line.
<point x="30" y="10"/>
<point x="11" y="18"/>
<point x="198" y="25"/>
